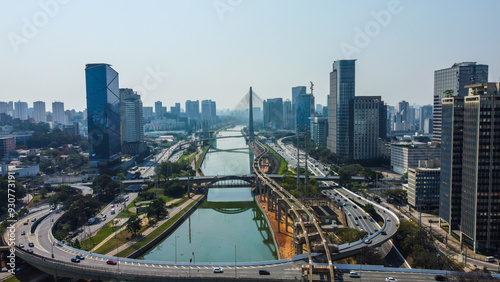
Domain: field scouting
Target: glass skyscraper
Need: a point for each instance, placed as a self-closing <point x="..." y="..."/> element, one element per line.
<point x="454" y="79"/>
<point x="103" y="112"/>
<point x="341" y="109"/>
<point x="305" y="110"/>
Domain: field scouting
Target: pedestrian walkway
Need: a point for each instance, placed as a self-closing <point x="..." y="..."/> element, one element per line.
<point x="148" y="231"/>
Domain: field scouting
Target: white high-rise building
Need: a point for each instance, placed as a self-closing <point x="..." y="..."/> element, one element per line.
<point x="39" y="114"/>
<point x="132" y="122"/>
<point x="58" y="112"/>
<point x="21" y="110"/>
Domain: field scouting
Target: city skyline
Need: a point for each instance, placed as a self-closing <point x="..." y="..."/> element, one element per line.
<point x="221" y="54"/>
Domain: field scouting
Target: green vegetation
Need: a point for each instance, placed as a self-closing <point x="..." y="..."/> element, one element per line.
<point x="102" y="234"/>
<point x="134" y="224"/>
<point x="283" y="164"/>
<point x="419" y="249"/>
<point x="139" y="244"/>
<point x="43" y="137"/>
<point x="80" y="208"/>
<point x="155" y="211"/>
<point x="348" y="235"/>
<point x="323" y="155"/>
<point x="17" y="192"/>
<point x="289" y="182"/>
<point x="202" y="157"/>
<point x="397" y="196"/>
<point x="12" y="279"/>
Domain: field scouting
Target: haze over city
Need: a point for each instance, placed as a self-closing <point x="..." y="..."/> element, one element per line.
<point x="217" y="49"/>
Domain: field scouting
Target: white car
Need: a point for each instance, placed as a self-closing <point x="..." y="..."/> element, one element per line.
<point x="354" y="274"/>
<point x="391" y="279"/>
<point x="218" y="270"/>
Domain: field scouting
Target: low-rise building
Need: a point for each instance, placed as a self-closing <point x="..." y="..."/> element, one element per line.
<point x="424" y="184"/>
<point x="405" y="155"/>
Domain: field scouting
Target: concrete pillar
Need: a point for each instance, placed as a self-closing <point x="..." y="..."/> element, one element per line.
<point x="279" y="216"/>
<point x="286" y="217"/>
<point x="268" y="199"/>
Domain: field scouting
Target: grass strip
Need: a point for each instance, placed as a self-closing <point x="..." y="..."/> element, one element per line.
<point x="102" y="234"/>
<point x="283" y="164"/>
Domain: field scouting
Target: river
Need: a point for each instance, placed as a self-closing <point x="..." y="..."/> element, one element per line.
<point x="229" y="225"/>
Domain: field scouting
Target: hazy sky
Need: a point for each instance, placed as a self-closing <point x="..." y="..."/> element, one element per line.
<point x="215" y="49"/>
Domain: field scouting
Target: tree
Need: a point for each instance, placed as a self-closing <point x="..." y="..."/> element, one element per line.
<point x="448" y="93"/>
<point x="174" y="189"/>
<point x="106" y="187"/>
<point x="157" y="209"/>
<point x="134" y="224"/>
<point x="43" y="192"/>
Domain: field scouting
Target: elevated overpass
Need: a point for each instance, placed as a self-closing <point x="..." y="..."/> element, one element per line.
<point x="54" y="257"/>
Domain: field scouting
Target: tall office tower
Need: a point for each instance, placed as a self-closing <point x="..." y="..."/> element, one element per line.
<point x="132" y="122"/>
<point x="176" y="110"/>
<point x="257" y="114"/>
<point x="480" y="221"/>
<point x="319" y="110"/>
<point x="340" y="109"/>
<point x="193" y="109"/>
<point x="287" y="115"/>
<point x="21" y="110"/>
<point x="369" y="126"/>
<point x="103" y="111"/>
<point x="147" y="112"/>
<point x="273" y="113"/>
<point x="405" y="117"/>
<point x="4" y="108"/>
<point x="58" y="113"/>
<point x="296" y="91"/>
<point x="39" y="114"/>
<point x="208" y="110"/>
<point x="305" y="110"/>
<point x="454" y="79"/>
<point x="451" y="161"/>
<point x="319" y="129"/>
<point x="325" y="112"/>
<point x="159" y="109"/>
<point x="425" y="114"/>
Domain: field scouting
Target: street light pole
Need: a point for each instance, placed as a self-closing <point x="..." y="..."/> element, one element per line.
<point x="175" y="238"/>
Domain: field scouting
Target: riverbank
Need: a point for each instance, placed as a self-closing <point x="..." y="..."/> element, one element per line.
<point x="283" y="238"/>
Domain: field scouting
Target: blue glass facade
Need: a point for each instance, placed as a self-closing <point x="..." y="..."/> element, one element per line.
<point x="103" y="112"/>
<point x="341" y="109"/>
<point x="451" y="161"/>
<point x="305" y="110"/>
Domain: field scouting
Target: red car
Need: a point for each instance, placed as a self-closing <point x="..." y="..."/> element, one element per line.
<point x="110" y="261"/>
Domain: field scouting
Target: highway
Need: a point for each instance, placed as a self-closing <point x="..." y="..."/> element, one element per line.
<point x="355" y="215"/>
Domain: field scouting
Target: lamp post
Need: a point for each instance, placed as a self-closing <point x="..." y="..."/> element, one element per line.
<point x="175" y="238"/>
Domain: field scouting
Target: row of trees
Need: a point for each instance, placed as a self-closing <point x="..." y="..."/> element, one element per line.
<point x="289" y="182"/>
<point x="16" y="193"/>
<point x="418" y="244"/>
<point x="44" y="138"/>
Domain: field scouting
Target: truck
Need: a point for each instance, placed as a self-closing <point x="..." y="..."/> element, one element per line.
<point x="91" y="220"/>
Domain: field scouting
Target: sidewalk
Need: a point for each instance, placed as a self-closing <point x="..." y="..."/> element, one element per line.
<point x="123" y="228"/>
<point x="148" y="231"/>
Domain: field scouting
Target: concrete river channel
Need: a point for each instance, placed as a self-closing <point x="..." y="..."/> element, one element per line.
<point x="229" y="225"/>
